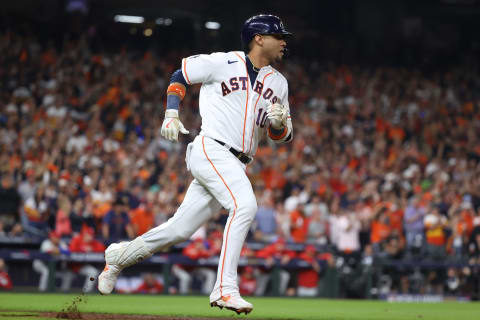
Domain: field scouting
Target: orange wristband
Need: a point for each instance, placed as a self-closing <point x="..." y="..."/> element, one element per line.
<point x="274" y="136"/>
<point x="177" y="89"/>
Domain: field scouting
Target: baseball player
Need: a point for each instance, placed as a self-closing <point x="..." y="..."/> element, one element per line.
<point x="241" y="98"/>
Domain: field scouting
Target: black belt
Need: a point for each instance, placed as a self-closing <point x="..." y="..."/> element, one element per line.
<point x="239" y="155"/>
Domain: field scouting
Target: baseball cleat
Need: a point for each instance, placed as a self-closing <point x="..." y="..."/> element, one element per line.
<point x="219" y="304"/>
<point x="119" y="256"/>
<point x="108" y="277"/>
<point x="234" y="303"/>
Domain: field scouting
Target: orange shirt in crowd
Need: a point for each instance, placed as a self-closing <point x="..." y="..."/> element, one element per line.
<point x="141" y="219"/>
<point x="435" y="234"/>
<point x="379" y="231"/>
<point x="273" y="179"/>
<point x="396" y="220"/>
<point x="466" y="219"/>
<point x="101" y="209"/>
<point x="299" y="226"/>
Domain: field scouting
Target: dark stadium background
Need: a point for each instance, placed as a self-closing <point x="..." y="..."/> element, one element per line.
<point x="406" y="32"/>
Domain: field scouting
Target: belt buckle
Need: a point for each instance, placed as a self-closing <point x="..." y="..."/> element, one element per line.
<point x="240" y="155"/>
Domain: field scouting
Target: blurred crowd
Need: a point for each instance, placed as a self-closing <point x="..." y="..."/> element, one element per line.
<point x="384" y="161"/>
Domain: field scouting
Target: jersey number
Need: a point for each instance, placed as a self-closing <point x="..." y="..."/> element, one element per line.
<point x="262" y="118"/>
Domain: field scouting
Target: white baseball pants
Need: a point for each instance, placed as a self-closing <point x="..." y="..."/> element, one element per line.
<point x="220" y="181"/>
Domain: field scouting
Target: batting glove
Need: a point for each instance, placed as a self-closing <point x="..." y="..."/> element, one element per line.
<point x="277" y="114"/>
<point x="172" y="125"/>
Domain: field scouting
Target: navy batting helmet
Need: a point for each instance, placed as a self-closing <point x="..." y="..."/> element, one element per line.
<point x="262" y="24"/>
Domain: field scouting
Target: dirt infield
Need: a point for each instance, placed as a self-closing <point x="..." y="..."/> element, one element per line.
<point x="94" y="316"/>
<point x="112" y="316"/>
<point x="71" y="311"/>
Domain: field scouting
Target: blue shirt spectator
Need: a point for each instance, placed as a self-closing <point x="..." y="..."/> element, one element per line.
<point x="116" y="223"/>
<point x="413" y="221"/>
<point x="265" y="222"/>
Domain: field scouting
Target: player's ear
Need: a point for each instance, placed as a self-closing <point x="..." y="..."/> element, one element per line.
<point x="258" y="39"/>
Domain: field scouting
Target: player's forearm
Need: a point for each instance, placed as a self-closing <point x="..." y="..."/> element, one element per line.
<point x="172" y="125"/>
<point x="176" y="90"/>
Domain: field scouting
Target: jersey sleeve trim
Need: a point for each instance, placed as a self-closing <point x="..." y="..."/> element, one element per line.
<point x="184" y="70"/>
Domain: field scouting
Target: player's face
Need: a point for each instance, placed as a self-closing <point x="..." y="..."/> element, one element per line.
<point x="274" y="47"/>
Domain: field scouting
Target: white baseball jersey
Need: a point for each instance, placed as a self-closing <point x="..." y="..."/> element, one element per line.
<point x="232" y="110"/>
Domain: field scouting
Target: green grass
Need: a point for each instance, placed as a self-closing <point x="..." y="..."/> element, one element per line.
<point x="265" y="308"/>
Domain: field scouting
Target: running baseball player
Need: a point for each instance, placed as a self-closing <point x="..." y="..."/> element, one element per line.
<point x="241" y="98"/>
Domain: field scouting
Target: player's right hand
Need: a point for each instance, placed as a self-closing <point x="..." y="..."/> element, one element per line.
<point x="172" y="125"/>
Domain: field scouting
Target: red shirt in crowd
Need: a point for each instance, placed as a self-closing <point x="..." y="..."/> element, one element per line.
<point x="308" y="278"/>
<point x="5" y="281"/>
<point x="396" y="219"/>
<point x="78" y="244"/>
<point x="248" y="283"/>
<point x="196" y="250"/>
<point x="85" y="242"/>
<point x="276" y="250"/>
<point x="150" y="288"/>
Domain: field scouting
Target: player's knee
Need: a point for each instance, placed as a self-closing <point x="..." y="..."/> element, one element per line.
<point x="250" y="208"/>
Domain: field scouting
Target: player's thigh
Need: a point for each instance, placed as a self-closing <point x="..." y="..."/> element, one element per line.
<point x="222" y="175"/>
<point x="198" y="206"/>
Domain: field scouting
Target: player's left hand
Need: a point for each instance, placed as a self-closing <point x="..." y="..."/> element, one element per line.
<point x="277" y="114"/>
<point x="172" y="125"/>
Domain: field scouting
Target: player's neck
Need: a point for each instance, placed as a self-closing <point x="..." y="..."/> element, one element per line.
<point x="257" y="60"/>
